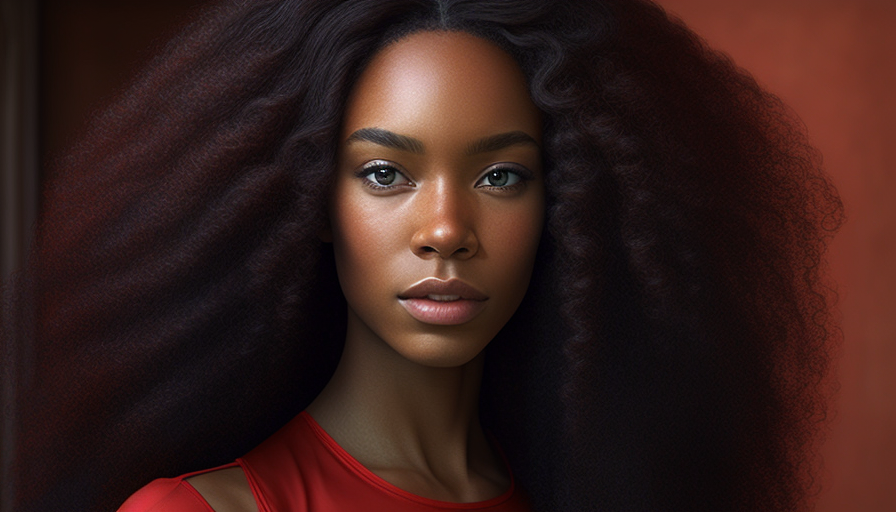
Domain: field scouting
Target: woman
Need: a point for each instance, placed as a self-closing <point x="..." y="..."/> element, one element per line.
<point x="666" y="353"/>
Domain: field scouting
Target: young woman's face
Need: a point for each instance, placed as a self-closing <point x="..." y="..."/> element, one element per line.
<point x="438" y="204"/>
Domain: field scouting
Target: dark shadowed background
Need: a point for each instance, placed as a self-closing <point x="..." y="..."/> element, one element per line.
<point x="833" y="61"/>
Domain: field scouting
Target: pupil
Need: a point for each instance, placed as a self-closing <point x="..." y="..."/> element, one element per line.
<point x="498" y="178"/>
<point x="384" y="176"/>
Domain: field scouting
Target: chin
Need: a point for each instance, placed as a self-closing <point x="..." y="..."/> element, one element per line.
<point x="441" y="352"/>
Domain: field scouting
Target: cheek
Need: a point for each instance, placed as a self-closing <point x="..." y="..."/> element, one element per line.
<point x="354" y="237"/>
<point x="367" y="239"/>
<point x="522" y="234"/>
<point x="514" y="244"/>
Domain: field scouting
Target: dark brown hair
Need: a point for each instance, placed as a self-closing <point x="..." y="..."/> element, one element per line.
<point x="669" y="354"/>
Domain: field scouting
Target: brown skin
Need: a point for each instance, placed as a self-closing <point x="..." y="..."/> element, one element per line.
<point x="225" y="490"/>
<point x="404" y="398"/>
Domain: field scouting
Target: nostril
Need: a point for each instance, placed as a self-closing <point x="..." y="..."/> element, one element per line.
<point x="426" y="245"/>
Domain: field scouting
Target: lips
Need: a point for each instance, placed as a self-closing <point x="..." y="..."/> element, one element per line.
<point x="438" y="302"/>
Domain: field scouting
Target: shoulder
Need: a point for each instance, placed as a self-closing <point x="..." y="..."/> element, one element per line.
<point x="166" y="494"/>
<point x="227" y="490"/>
<point x="217" y="490"/>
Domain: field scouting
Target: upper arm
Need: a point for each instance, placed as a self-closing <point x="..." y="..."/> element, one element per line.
<point x="225" y="490"/>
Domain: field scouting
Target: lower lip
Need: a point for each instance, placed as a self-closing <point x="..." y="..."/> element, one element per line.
<point x="453" y="312"/>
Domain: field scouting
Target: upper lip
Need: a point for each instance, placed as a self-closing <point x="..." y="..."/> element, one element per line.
<point x="434" y="286"/>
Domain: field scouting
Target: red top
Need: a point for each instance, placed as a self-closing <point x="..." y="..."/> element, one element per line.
<point x="301" y="468"/>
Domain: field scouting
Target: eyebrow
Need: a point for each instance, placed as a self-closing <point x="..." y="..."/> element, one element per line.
<point x="501" y="141"/>
<point x="404" y="143"/>
<point x="387" y="139"/>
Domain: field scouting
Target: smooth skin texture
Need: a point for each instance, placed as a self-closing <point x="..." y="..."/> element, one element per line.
<point x="439" y="176"/>
<point x="444" y="96"/>
<point x="225" y="490"/>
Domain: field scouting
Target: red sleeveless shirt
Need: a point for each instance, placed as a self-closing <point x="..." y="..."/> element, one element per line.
<point x="302" y="469"/>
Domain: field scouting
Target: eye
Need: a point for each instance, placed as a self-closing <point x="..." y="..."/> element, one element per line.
<point x="502" y="176"/>
<point x="382" y="175"/>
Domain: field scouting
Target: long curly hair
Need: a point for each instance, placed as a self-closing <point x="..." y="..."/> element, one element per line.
<point x="671" y="352"/>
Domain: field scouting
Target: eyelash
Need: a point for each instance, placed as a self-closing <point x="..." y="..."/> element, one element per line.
<point x="379" y="165"/>
<point x="522" y="175"/>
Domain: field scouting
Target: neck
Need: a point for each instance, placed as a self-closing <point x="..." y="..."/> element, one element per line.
<point x="394" y="414"/>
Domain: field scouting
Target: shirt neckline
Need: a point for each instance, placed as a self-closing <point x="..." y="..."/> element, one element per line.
<point x="360" y="470"/>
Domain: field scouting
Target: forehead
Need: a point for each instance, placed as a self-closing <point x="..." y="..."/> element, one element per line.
<point x="433" y="81"/>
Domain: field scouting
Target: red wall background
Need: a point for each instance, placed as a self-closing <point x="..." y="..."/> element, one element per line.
<point x="833" y="61"/>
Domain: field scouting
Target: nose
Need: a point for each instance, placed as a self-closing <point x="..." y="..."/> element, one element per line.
<point x="445" y="225"/>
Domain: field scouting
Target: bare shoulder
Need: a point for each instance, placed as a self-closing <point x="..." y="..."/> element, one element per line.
<point x="225" y="490"/>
